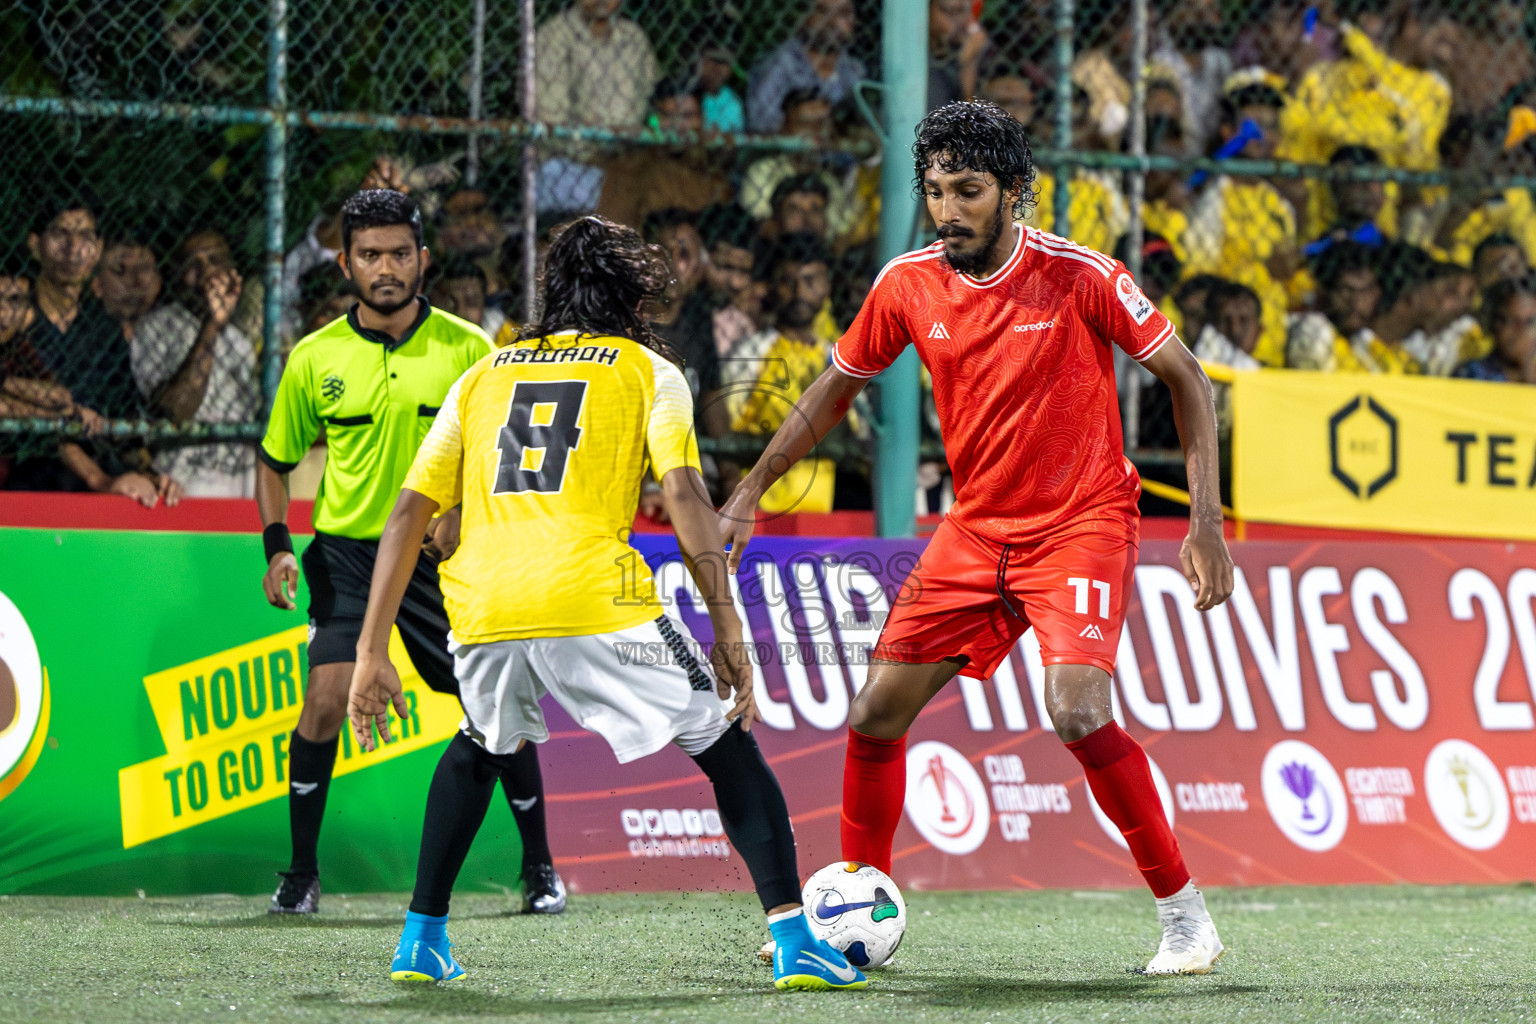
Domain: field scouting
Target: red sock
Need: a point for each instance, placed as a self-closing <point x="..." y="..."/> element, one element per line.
<point x="874" y="788"/>
<point x="1117" y="772"/>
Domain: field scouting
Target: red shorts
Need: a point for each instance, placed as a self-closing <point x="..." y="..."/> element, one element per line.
<point x="973" y="598"/>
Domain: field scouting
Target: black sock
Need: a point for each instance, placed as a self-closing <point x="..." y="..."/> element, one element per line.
<point x="755" y="816"/>
<point x="456" y="804"/>
<point x="524" y="786"/>
<point x="309" y="779"/>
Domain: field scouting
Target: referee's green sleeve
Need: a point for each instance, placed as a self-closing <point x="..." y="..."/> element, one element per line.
<point x="294" y="423"/>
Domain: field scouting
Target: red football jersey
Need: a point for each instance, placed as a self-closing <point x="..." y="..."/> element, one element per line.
<point x="1023" y="378"/>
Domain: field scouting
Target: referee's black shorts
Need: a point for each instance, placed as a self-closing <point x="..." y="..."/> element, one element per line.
<point x="338" y="571"/>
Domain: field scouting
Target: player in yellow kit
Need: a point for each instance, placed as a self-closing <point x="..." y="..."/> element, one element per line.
<point x="545" y="444"/>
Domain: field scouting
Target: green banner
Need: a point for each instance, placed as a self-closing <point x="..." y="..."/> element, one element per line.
<point x="147" y="692"/>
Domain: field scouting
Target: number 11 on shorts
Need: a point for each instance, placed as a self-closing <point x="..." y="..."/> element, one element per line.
<point x="1080" y="586"/>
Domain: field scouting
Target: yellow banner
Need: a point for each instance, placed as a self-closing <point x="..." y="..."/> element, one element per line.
<point x="1407" y="454"/>
<point x="226" y="719"/>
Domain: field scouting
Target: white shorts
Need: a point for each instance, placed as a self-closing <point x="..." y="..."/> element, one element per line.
<point x="638" y="688"/>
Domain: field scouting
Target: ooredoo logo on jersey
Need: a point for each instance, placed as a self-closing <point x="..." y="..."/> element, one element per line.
<point x="946" y="800"/>
<point x="1466" y="794"/>
<point x="1305" y="796"/>
<point x="23" y="699"/>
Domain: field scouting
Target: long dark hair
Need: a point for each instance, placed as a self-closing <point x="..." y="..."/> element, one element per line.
<point x="598" y="276"/>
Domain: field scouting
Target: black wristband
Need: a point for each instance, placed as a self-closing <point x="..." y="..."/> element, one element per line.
<point x="275" y="538"/>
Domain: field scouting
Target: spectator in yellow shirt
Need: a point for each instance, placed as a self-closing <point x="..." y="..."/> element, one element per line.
<point x="1357" y="202"/>
<point x="1410" y="301"/>
<point x="1413" y="296"/>
<point x="1165" y="208"/>
<point x="1509" y="319"/>
<point x="1451" y="335"/>
<point x="1509" y="211"/>
<point x="774" y="368"/>
<point x="1241" y="228"/>
<point x="1097" y="213"/>
<point x="1349" y="294"/>
<point x="1366" y="98"/>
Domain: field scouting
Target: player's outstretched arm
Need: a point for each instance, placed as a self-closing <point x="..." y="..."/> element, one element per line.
<point x="821" y="408"/>
<point x="1204" y="556"/>
<point x="698" y="537"/>
<point x="281" y="583"/>
<point x="375" y="683"/>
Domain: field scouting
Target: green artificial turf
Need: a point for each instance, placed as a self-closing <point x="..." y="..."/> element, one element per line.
<point x="1332" y="954"/>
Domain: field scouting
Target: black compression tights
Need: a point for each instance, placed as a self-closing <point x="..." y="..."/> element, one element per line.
<point x="754" y="814"/>
<point x="461" y="792"/>
<point x="751" y="806"/>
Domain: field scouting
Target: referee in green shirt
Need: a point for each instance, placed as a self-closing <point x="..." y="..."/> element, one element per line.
<point x="374" y="379"/>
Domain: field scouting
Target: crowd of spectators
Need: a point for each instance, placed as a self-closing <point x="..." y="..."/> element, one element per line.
<point x="774" y="250"/>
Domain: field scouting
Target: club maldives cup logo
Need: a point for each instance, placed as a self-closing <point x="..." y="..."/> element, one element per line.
<point x="946" y="799"/>
<point x="23" y="699"/>
<point x="1305" y="796"/>
<point x="1466" y="794"/>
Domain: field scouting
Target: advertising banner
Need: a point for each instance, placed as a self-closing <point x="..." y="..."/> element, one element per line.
<point x="147" y="692"/>
<point x="1406" y="454"/>
<point x="1358" y="712"/>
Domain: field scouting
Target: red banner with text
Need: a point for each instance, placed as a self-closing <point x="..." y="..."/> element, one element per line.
<point x="1357" y="712"/>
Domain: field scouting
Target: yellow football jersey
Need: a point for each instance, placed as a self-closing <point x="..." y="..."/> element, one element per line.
<point x="546" y="442"/>
<point x="788" y="368"/>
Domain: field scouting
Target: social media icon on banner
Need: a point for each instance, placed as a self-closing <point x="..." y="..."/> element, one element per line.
<point x="1466" y="794"/>
<point x="946" y="800"/>
<point x="1164" y="793"/>
<point x="1304" y="795"/>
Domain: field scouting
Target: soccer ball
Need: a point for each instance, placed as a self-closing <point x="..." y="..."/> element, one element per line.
<point x="857" y="910"/>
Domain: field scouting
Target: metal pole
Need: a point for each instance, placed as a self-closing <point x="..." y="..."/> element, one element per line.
<point x="276" y="193"/>
<point x="904" y="30"/>
<point x="1061" y="217"/>
<point x="476" y="95"/>
<point x="1137" y="178"/>
<point x="1130" y="419"/>
<point x="530" y="170"/>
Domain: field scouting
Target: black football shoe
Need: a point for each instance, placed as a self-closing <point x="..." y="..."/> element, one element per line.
<point x="543" y="892"/>
<point x="299" y="894"/>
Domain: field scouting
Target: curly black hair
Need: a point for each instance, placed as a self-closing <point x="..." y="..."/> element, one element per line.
<point x="979" y="136"/>
<point x="378" y="208"/>
<point x="597" y="277"/>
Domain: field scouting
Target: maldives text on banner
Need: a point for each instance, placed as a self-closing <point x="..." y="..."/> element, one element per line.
<point x="1358" y="712"/>
<point x="1409" y="454"/>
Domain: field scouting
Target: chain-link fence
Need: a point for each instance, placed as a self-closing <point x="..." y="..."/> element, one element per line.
<point x="1294" y="184"/>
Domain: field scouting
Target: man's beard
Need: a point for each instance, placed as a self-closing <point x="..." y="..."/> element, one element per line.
<point x="974" y="263"/>
<point x="394" y="307"/>
<point x="797" y="315"/>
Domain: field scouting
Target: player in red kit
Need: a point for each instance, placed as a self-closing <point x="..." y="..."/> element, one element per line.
<point x="1015" y="327"/>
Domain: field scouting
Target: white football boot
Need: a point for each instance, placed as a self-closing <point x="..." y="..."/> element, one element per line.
<point x="765" y="955"/>
<point x="1190" y="944"/>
